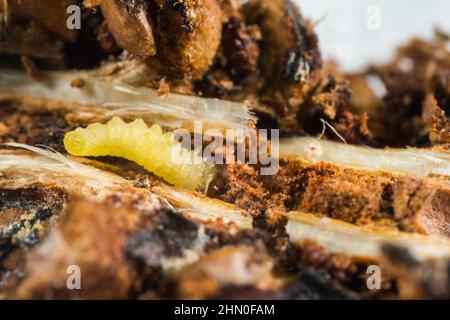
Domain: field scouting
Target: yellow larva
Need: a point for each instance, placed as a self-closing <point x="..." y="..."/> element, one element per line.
<point x="149" y="147"/>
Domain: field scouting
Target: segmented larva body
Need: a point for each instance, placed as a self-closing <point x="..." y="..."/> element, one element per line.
<point x="149" y="147"/>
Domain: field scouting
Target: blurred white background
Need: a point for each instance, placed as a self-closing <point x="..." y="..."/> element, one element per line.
<point x="344" y="34"/>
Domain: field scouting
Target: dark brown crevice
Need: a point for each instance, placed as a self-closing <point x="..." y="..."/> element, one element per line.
<point x="387" y="198"/>
<point x="32" y="127"/>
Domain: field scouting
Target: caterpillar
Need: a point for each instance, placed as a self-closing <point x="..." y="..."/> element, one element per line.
<point x="149" y="147"/>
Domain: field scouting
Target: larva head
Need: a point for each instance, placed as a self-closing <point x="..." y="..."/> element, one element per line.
<point x="76" y="142"/>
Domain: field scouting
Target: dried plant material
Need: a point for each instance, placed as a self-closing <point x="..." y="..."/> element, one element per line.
<point x="188" y="37"/>
<point x="419" y="264"/>
<point x="239" y="266"/>
<point x="91" y="3"/>
<point x="361" y="242"/>
<point x="198" y="206"/>
<point x="361" y="196"/>
<point x="138" y="70"/>
<point x="436" y="120"/>
<point x="130" y="26"/>
<point x="84" y="223"/>
<point x="420" y="69"/>
<point x="164" y="88"/>
<point x="416" y="278"/>
<point x="73" y="177"/>
<point x="417" y="162"/>
<point x="117" y="89"/>
<point x="240" y="47"/>
<point x="325" y="125"/>
<point x="130" y="221"/>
